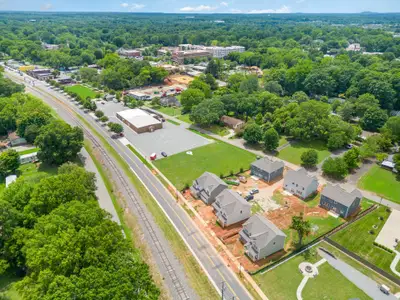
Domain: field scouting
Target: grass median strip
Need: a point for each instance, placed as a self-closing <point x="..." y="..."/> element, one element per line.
<point x="195" y="274"/>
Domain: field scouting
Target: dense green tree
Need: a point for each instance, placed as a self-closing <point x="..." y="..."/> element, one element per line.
<point x="392" y="128"/>
<point x="273" y="87"/>
<point x="271" y="139"/>
<point x="301" y="226"/>
<point x="9" y="162"/>
<point x="190" y="98"/>
<point x="202" y="86"/>
<point x="58" y="142"/>
<point x="335" y="167"/>
<point x="373" y="119"/>
<point x="115" y="127"/>
<point x="309" y="158"/>
<point x="207" y="112"/>
<point x="213" y="68"/>
<point x="351" y="158"/>
<point x="253" y="133"/>
<point x="249" y="85"/>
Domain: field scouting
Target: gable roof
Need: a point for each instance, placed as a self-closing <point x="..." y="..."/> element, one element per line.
<point x="261" y="230"/>
<point x="209" y="181"/>
<point x="231" y="121"/>
<point x="268" y="165"/>
<point x="340" y="195"/>
<point x="300" y="177"/>
<point x="230" y="201"/>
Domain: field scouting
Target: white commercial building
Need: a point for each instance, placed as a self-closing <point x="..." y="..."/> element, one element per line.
<point x="221" y="52"/>
<point x="139" y="120"/>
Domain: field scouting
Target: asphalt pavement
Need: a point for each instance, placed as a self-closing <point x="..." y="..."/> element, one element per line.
<point x="363" y="282"/>
<point x="213" y="265"/>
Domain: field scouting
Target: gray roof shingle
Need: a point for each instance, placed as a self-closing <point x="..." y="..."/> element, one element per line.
<point x="209" y="181"/>
<point x="300" y="177"/>
<point x="229" y="200"/>
<point x="261" y="230"/>
<point x="268" y="165"/>
<point x="340" y="195"/>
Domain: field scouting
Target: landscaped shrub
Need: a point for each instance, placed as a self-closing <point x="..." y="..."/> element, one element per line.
<point x="383" y="247"/>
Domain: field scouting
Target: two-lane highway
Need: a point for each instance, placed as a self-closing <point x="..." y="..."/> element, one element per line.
<point x="212" y="264"/>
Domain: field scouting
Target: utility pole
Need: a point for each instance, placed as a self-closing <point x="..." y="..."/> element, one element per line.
<point x="222" y="290"/>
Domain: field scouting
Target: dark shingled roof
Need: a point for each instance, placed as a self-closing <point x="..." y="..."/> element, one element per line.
<point x="268" y="165"/>
<point x="338" y="194"/>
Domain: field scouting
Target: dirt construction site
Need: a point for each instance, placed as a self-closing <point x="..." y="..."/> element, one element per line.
<point x="179" y="79"/>
<point x="282" y="206"/>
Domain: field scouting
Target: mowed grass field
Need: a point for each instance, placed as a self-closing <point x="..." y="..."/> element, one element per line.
<point x="359" y="240"/>
<point x="82" y="91"/>
<point x="382" y="182"/>
<point x="281" y="283"/>
<point x="7" y="288"/>
<point x="293" y="152"/>
<point x="218" y="158"/>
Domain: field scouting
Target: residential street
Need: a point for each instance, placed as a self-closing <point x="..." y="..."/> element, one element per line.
<point x="369" y="286"/>
<point x="202" y="250"/>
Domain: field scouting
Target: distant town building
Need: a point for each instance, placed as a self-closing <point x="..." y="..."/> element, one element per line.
<point x="353" y="47"/>
<point x="192" y="51"/>
<point x="128" y="52"/>
<point x="15" y="139"/>
<point x="207" y="187"/>
<point x="221" y="52"/>
<point x="230" y="208"/>
<point x="50" y="46"/>
<point x="261" y="238"/>
<point x="233" y="123"/>
<point x="40" y="74"/>
<point x="139" y="95"/>
<point x="336" y="199"/>
<point x="267" y="169"/>
<point x="300" y="183"/>
<point x="139" y="120"/>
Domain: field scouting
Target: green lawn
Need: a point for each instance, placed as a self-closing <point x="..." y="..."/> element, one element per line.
<point x="218" y="158"/>
<point x="282" y="141"/>
<point x="359" y="240"/>
<point x="170" y="111"/>
<point x="282" y="282"/>
<point x="29" y="151"/>
<point x="313" y="200"/>
<point x="185" y="118"/>
<point x="82" y="91"/>
<point x="7" y="287"/>
<point x="217" y="129"/>
<point x="319" y="227"/>
<point x="321" y="287"/>
<point x="293" y="153"/>
<point x="382" y="182"/>
<point x="173" y="122"/>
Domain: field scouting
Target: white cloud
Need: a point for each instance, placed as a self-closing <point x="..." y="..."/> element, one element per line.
<point x="236" y="11"/>
<point x="283" y="10"/>
<point x="132" y="6"/>
<point x="224" y="4"/>
<point x="46" y="6"/>
<point x="198" y="8"/>
<point x="300" y="1"/>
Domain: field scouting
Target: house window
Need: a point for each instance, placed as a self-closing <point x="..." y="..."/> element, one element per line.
<point x="303" y="189"/>
<point x="297" y="185"/>
<point x="240" y="211"/>
<point x="274" y="243"/>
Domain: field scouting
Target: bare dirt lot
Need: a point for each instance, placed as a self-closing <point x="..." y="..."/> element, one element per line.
<point x="180" y="79"/>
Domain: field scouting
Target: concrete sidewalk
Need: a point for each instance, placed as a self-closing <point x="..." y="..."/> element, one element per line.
<point x="102" y="194"/>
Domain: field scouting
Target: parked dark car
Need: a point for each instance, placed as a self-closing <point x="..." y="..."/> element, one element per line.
<point x="164" y="154"/>
<point x="249" y="197"/>
<point x="349" y="146"/>
<point x="254" y="191"/>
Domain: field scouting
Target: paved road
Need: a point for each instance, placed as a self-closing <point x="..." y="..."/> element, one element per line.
<point x="203" y="251"/>
<point x="369" y="286"/>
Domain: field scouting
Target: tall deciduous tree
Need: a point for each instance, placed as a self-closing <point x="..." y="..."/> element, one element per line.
<point x="302" y="226"/>
<point x="58" y="142"/>
<point x="252" y="133"/>
<point x="271" y="139"/>
<point x="190" y="98"/>
<point x="309" y="158"/>
<point x="9" y="162"/>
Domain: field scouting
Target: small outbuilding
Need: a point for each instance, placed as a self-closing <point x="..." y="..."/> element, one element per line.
<point x="16" y="140"/>
<point x="267" y="169"/>
<point x="300" y="183"/>
<point x="28" y="158"/>
<point x="10" y="179"/>
<point x="207" y="187"/>
<point x="170" y="101"/>
<point x="139" y="120"/>
<point x="233" y="123"/>
<point x="261" y="238"/>
<point x="336" y="199"/>
<point x="230" y="208"/>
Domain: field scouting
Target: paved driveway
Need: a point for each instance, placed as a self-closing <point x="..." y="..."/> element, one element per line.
<point x="369" y="286"/>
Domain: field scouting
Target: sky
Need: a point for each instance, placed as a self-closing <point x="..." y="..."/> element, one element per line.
<point x="205" y="6"/>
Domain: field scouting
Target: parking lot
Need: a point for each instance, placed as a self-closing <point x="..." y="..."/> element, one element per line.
<point x="171" y="139"/>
